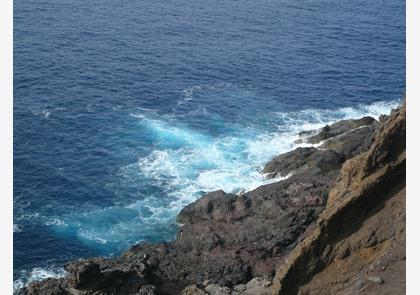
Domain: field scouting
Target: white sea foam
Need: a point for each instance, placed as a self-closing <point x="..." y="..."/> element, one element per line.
<point x="42" y="113"/>
<point x="187" y="163"/>
<point x="317" y="118"/>
<point x="55" y="221"/>
<point x="197" y="163"/>
<point x="37" y="274"/>
<point x="17" y="228"/>
<point x="46" y="113"/>
<point x="188" y="94"/>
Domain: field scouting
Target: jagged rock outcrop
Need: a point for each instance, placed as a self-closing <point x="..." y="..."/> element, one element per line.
<point x="358" y="244"/>
<point x="339" y="128"/>
<point x="100" y="276"/>
<point x="304" y="160"/>
<point x="336" y="143"/>
<point x="232" y="244"/>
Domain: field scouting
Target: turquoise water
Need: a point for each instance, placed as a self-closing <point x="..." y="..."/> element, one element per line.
<point x="126" y="111"/>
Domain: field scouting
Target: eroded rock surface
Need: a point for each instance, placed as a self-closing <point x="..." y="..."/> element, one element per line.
<point x="358" y="244"/>
<point x="336" y="143"/>
<point x="336" y="129"/>
<point x="232" y="244"/>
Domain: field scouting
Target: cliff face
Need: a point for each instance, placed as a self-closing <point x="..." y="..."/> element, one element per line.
<point x="323" y="234"/>
<point x="358" y="243"/>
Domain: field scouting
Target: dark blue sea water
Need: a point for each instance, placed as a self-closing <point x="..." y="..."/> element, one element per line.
<point x="125" y="111"/>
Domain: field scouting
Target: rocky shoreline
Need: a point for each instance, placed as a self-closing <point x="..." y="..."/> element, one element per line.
<point x="326" y="229"/>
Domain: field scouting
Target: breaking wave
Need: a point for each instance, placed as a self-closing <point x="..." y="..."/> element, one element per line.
<point x="185" y="164"/>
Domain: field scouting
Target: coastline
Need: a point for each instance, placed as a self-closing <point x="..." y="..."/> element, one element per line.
<point x="232" y="240"/>
<point x="260" y="150"/>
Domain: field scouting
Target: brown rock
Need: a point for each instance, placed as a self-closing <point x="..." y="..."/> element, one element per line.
<point x="362" y="226"/>
<point x="231" y="244"/>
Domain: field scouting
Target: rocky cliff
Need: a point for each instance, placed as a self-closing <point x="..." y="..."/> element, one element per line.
<point x="318" y="231"/>
<point x="358" y="243"/>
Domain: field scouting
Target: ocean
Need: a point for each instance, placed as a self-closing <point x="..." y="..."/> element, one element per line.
<point x="126" y="111"/>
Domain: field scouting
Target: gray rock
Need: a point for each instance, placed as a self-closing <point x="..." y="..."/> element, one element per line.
<point x="217" y="290"/>
<point x="227" y="239"/>
<point x="193" y="290"/>
<point x="351" y="143"/>
<point x="376" y="280"/>
<point x="339" y="128"/>
<point x="303" y="161"/>
<point x="258" y="286"/>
